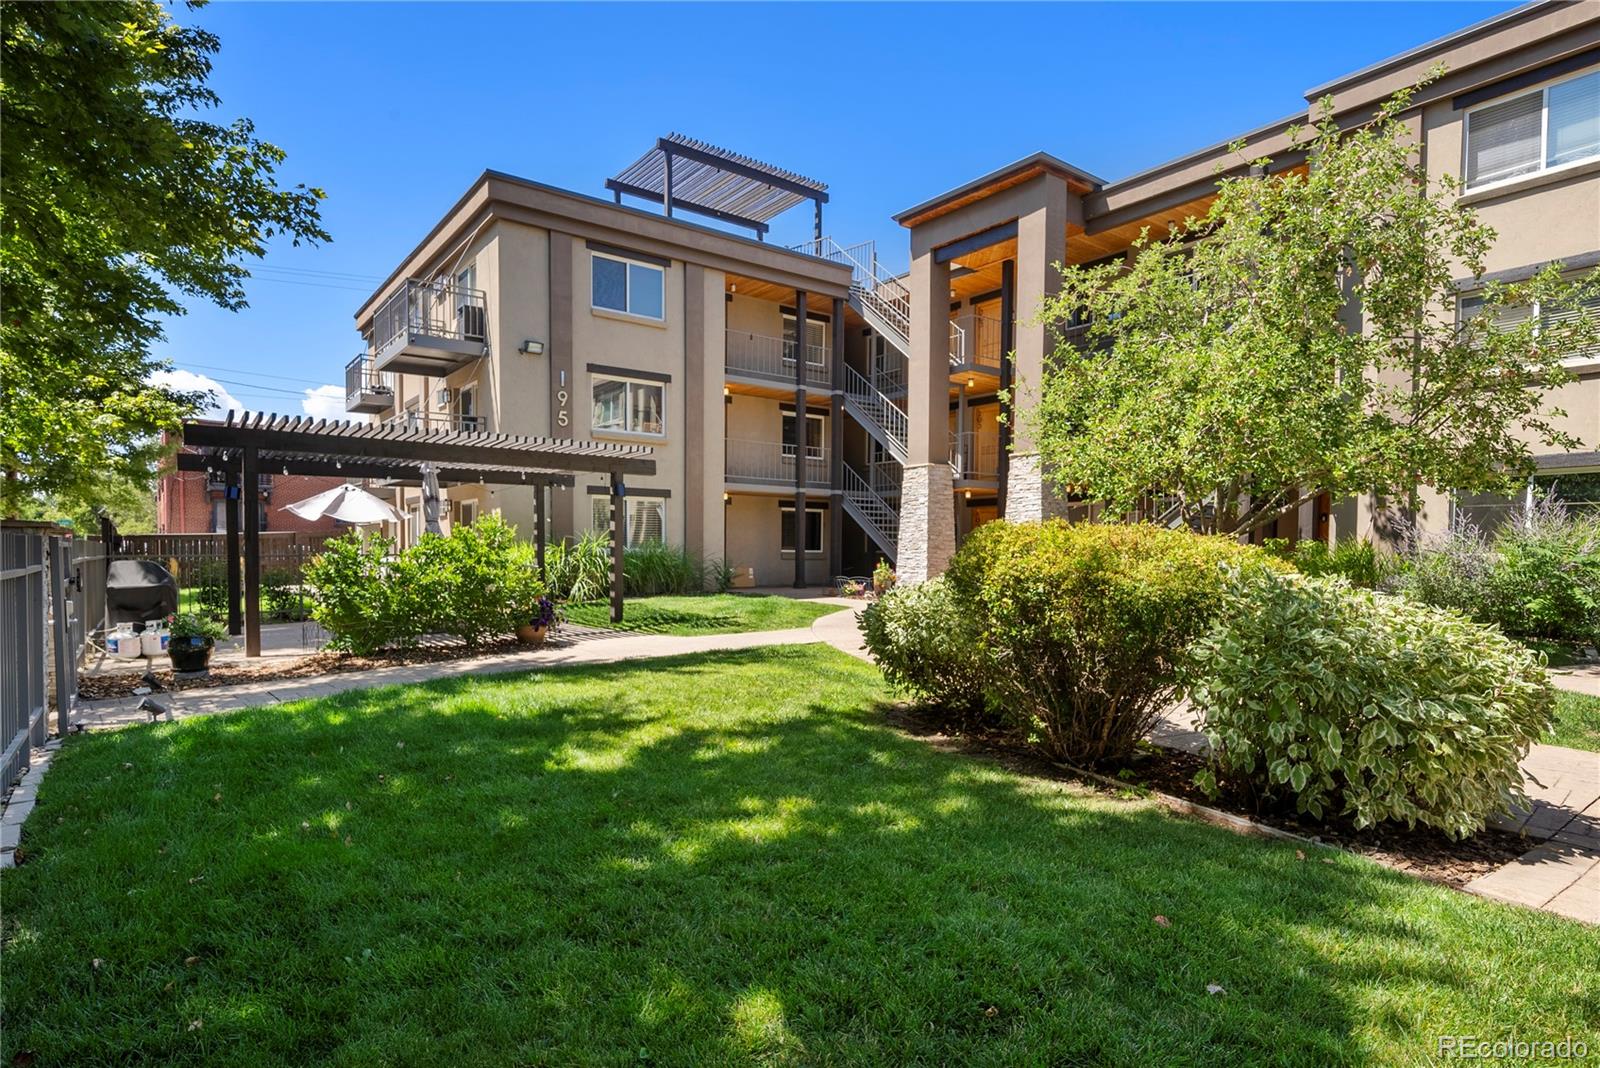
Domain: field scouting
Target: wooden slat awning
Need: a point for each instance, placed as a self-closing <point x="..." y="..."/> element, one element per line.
<point x="303" y="441"/>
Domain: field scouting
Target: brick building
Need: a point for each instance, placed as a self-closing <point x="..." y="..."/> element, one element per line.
<point x="191" y="502"/>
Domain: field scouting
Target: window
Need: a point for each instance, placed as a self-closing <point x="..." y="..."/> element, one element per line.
<point x="626" y="406"/>
<point x="466" y="410"/>
<point x="219" y="516"/>
<point x="627" y="286"/>
<point x="1513" y="316"/>
<point x="645" y="517"/>
<point x="466" y="512"/>
<point x="814" y="522"/>
<point x="413" y="524"/>
<point x="813" y="436"/>
<point x="816" y="340"/>
<point x="1550" y="127"/>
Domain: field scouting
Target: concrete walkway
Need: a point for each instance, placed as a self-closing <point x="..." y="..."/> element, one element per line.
<point x="1561" y="874"/>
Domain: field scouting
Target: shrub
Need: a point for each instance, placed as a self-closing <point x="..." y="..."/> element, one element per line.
<point x="1365" y="704"/>
<point x="1545" y="582"/>
<point x="1449" y="570"/>
<point x="354" y="598"/>
<point x="1355" y="561"/>
<point x="1083" y="625"/>
<point x="926" y="645"/>
<point x="280" y="595"/>
<point x="580" y="570"/>
<point x="475" y="583"/>
<point x="209" y="579"/>
<point x="656" y="568"/>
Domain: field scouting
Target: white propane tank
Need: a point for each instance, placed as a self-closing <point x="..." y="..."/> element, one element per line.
<point x="124" y="644"/>
<point x="153" y="642"/>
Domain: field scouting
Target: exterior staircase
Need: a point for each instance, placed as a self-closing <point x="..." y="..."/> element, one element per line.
<point x="877" y="412"/>
<point x="871" y="512"/>
<point x="879" y="297"/>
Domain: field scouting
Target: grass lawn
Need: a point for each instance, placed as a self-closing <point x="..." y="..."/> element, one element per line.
<point x="707" y="613"/>
<point x="1577" y="721"/>
<point x="722" y="859"/>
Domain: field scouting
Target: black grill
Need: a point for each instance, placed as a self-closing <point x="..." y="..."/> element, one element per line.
<point x="139" y="590"/>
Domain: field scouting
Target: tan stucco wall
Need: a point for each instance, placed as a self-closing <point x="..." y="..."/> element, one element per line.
<point x="753" y="534"/>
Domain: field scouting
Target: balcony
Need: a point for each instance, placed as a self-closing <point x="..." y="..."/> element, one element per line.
<point x="453" y="422"/>
<point x="975" y="457"/>
<point x="366" y="390"/>
<point x="774" y="463"/>
<point x="975" y="343"/>
<point x="430" y="328"/>
<point x="771" y="359"/>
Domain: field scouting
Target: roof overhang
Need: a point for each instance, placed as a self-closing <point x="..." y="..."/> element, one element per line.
<point x="997" y="181"/>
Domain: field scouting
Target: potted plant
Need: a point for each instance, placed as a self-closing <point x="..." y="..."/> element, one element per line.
<point x="192" y="638"/>
<point x="882" y="578"/>
<point x="540" y="622"/>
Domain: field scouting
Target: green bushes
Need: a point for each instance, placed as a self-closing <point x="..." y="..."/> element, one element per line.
<point x="476" y="583"/>
<point x="1356" y="561"/>
<point x="1081" y="627"/>
<point x="581" y="570"/>
<point x="927" y="646"/>
<point x="1537" y="577"/>
<point x="1365" y="705"/>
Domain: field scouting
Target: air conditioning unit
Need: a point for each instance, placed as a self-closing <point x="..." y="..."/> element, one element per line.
<point x="470" y="321"/>
<point x="442" y="398"/>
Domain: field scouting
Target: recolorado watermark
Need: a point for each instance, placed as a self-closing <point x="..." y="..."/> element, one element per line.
<point x="1475" y="1048"/>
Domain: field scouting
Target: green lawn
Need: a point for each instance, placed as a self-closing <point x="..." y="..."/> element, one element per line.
<point x="725" y="859"/>
<point x="710" y="613"/>
<point x="1577" y="721"/>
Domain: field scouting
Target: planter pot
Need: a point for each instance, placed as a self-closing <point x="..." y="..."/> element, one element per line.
<point x="531" y="635"/>
<point x="190" y="654"/>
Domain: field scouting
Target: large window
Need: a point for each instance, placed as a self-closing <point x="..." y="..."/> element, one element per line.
<point x="645" y="517"/>
<point x="628" y="406"/>
<point x="816" y="519"/>
<point x="1544" y="316"/>
<point x="816" y="340"/>
<point x="628" y="286"/>
<point x="1554" y="126"/>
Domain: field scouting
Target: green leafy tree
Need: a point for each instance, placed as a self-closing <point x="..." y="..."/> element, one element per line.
<point x="119" y="201"/>
<point x="1222" y="366"/>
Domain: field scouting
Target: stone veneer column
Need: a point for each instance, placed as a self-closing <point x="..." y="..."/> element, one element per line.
<point x="927" y="493"/>
<point x="1041" y="243"/>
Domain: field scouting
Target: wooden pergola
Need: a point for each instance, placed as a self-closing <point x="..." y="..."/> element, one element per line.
<point x="239" y="450"/>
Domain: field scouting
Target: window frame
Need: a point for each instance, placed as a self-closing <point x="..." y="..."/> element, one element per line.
<point x="596" y="379"/>
<point x="1536" y="314"/>
<point x="812" y="318"/>
<point x="821" y="512"/>
<point x="627" y="286"/>
<point x="1543" y="91"/>
<point x="600" y="516"/>
<point x="790" y="449"/>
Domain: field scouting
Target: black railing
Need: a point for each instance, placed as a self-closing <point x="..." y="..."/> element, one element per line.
<point x="360" y="380"/>
<point x="431" y="309"/>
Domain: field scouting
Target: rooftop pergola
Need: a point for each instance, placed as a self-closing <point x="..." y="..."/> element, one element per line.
<point x="680" y="173"/>
<point x="239" y="450"/>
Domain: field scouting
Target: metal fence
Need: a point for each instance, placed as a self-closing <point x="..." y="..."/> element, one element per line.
<point x="39" y="642"/>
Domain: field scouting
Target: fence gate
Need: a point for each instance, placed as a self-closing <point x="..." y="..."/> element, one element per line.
<point x="23" y="649"/>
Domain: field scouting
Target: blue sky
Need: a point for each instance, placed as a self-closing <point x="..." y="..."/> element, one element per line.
<point x="394" y="109"/>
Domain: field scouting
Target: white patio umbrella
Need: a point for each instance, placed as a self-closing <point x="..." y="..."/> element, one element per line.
<point x="348" y="502"/>
<point x="430" y="500"/>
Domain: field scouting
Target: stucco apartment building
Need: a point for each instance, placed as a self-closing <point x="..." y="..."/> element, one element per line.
<point x="536" y="310"/>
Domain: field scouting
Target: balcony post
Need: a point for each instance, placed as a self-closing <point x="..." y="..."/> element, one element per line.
<point x="1008" y="316"/>
<point x="540" y="536"/>
<point x="619" y="520"/>
<point x="927" y="501"/>
<point x="836" y="438"/>
<point x="800" y="335"/>
<point x="230" y="502"/>
<point x="1041" y="243"/>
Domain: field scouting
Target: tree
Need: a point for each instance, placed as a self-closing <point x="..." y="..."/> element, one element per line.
<point x="1222" y="367"/>
<point x="118" y="201"/>
<point x="130" y="503"/>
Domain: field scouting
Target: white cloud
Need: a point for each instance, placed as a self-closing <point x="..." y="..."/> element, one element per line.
<point x="221" y="401"/>
<point x="324" y="402"/>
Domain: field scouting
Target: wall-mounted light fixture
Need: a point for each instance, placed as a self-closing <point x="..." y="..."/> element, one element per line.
<point x="972" y="383"/>
<point x="727" y="498"/>
<point x="531" y="347"/>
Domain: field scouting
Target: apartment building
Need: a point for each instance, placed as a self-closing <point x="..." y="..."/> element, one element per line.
<point x="540" y="311"/>
<point x="195" y="502"/>
<point x="1516" y="116"/>
<point x="797" y="453"/>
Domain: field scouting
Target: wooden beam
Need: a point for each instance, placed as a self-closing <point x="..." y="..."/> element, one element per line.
<point x="230" y="500"/>
<point x="252" y="553"/>
<point x="357" y="469"/>
<point x="992" y="236"/>
<point x="305" y="435"/>
<point x="619" y="533"/>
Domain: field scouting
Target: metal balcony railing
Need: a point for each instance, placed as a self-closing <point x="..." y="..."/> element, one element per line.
<point x="773" y="357"/>
<point x="366" y="388"/>
<point x="885" y="477"/>
<point x="451" y="421"/>
<point x="438" y="310"/>
<point x="774" y="462"/>
<point x="980" y="341"/>
<point x="975" y="456"/>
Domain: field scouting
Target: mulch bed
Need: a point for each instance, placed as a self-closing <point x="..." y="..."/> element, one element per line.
<point x="1420" y="851"/>
<point x="123" y="683"/>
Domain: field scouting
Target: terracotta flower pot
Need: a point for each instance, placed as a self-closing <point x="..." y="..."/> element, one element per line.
<point x="531" y="635"/>
<point x="190" y="653"/>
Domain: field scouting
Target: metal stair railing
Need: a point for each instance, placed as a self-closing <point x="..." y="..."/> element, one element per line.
<point x="883" y="415"/>
<point x="879" y="291"/>
<point x="877" y="518"/>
